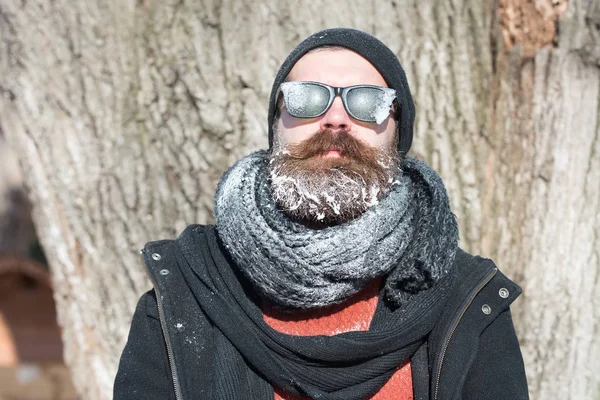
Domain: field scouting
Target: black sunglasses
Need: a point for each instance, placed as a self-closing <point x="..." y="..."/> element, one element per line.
<point x="367" y="103"/>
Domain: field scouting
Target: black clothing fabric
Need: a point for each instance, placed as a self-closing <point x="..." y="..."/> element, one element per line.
<point x="176" y="345"/>
<point x="349" y="366"/>
<point x="377" y="53"/>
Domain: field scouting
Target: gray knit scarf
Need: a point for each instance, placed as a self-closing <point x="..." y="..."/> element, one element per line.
<point x="410" y="238"/>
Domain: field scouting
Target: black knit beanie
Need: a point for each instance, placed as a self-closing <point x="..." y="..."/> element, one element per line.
<point x="377" y="53"/>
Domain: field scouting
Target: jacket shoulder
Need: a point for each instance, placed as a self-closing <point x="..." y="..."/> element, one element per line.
<point x="163" y="250"/>
<point x="466" y="260"/>
<point x="480" y="293"/>
<point x="190" y="229"/>
<point x="472" y="266"/>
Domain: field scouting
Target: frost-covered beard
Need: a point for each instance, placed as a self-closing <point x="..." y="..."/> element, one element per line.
<point x="321" y="190"/>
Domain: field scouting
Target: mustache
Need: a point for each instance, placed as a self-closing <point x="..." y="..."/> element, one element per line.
<point x="326" y="140"/>
<point x="330" y="190"/>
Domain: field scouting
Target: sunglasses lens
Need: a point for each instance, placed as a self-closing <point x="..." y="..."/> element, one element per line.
<point x="365" y="103"/>
<point x="305" y="100"/>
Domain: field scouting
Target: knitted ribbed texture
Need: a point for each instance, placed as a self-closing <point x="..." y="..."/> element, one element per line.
<point x="410" y="236"/>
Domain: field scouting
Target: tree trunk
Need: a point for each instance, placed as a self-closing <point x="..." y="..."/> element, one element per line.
<point x="124" y="115"/>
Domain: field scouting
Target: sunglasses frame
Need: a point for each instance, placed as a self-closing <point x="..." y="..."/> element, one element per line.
<point x="333" y="93"/>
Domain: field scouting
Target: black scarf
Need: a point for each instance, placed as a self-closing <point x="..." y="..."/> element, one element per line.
<point x="251" y="357"/>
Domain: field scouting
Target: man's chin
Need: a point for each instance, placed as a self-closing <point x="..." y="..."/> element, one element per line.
<point x="325" y="162"/>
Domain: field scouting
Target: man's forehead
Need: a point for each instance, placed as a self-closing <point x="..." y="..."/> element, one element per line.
<point x="336" y="67"/>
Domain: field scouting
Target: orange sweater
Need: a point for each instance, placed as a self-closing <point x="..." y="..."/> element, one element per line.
<point x="353" y="315"/>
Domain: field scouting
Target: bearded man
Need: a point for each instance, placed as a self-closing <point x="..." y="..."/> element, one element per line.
<point x="333" y="270"/>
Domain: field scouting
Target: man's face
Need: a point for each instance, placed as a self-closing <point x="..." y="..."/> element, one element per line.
<point x="338" y="68"/>
<point x="330" y="169"/>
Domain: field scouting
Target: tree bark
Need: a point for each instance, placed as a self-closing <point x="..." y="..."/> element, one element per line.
<point x="125" y="114"/>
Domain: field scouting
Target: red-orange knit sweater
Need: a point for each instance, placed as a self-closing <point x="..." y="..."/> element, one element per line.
<point x="353" y="315"/>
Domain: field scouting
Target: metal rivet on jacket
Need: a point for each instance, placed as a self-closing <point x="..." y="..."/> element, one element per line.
<point x="156" y="256"/>
<point x="486" y="309"/>
<point x="503" y="292"/>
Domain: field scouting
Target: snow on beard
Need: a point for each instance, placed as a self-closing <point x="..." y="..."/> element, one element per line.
<point x="322" y="190"/>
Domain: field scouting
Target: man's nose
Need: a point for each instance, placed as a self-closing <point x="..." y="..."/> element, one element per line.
<point x="336" y="117"/>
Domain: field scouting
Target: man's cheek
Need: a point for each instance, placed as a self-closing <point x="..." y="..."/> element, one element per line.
<point x="292" y="136"/>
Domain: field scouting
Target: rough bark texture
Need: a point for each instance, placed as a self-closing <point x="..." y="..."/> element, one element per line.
<point x="125" y="113"/>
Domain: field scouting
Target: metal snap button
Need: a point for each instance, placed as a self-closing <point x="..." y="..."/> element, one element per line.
<point x="156" y="256"/>
<point x="503" y="292"/>
<point x="164" y="272"/>
<point x="486" y="309"/>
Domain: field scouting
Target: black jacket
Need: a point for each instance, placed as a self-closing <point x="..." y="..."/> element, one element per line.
<point x="472" y="353"/>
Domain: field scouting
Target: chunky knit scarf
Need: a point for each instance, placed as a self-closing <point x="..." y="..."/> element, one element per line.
<point x="410" y="238"/>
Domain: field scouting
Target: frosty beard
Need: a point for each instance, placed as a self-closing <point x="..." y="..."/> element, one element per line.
<point x="322" y="191"/>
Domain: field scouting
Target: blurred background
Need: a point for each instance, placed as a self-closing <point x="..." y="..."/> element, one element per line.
<point x="118" y="117"/>
<point x="31" y="361"/>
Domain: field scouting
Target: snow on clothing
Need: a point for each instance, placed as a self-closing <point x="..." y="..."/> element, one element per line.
<point x="188" y="337"/>
<point x="410" y="236"/>
<point x="201" y="333"/>
<point x="374" y="51"/>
